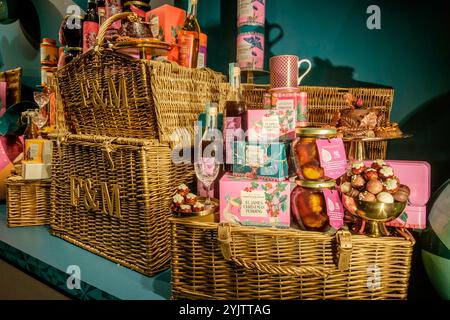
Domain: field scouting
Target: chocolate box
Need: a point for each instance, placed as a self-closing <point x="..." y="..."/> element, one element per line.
<point x="269" y="160"/>
<point x="254" y="202"/>
<point x="169" y="21"/>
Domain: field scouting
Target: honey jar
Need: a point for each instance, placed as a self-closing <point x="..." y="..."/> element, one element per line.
<point x="308" y="205"/>
<point x="306" y="154"/>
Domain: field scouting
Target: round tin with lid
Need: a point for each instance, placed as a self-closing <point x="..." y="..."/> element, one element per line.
<point x="49" y="52"/>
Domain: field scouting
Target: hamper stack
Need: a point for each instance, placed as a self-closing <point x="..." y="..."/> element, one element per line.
<point x="113" y="175"/>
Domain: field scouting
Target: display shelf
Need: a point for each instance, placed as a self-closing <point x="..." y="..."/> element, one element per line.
<point x="46" y="257"/>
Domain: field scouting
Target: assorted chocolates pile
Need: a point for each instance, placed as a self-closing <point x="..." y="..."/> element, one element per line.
<point x="375" y="183"/>
<point x="359" y="121"/>
<point x="186" y="202"/>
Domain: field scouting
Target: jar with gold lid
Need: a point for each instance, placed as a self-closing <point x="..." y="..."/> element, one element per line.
<point x="308" y="204"/>
<point x="306" y="154"/>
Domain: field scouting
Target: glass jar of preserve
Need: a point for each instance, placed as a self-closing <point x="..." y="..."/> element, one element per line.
<point x="308" y="206"/>
<point x="305" y="152"/>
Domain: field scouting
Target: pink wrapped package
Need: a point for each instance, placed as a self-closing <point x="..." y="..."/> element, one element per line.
<point x="253" y="202"/>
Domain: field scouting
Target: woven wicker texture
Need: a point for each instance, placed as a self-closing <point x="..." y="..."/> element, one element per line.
<point x="323" y="103"/>
<point x="145" y="177"/>
<point x="27" y="202"/>
<point x="180" y="95"/>
<point x="284" y="264"/>
<point x="13" y="78"/>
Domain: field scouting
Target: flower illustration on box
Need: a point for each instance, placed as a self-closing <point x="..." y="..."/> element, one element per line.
<point x="254" y="41"/>
<point x="285" y="121"/>
<point x="275" y="202"/>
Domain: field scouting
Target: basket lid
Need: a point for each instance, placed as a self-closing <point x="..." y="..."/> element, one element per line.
<point x="316" y="184"/>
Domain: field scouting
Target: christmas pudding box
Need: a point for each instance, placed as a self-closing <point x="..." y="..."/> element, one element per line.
<point x="417" y="176"/>
<point x="270" y="125"/>
<point x="269" y="160"/>
<point x="169" y="21"/>
<point x="289" y="101"/>
<point x="255" y="202"/>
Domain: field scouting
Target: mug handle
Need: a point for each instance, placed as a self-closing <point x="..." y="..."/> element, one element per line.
<point x="307" y="70"/>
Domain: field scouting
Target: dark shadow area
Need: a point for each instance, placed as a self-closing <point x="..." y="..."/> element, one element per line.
<point x="324" y="73"/>
<point x="29" y="23"/>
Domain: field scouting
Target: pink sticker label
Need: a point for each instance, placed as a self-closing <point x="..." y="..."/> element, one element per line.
<point x="250" y="50"/>
<point x="332" y="157"/>
<point x="335" y="210"/>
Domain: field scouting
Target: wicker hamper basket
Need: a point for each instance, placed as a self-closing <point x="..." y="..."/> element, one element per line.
<point x="110" y="94"/>
<point x="219" y="261"/>
<point x="111" y="196"/>
<point x="323" y="103"/>
<point x="27" y="202"/>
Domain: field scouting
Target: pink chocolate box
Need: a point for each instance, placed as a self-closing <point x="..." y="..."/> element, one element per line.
<point x="254" y="202"/>
<point x="417" y="176"/>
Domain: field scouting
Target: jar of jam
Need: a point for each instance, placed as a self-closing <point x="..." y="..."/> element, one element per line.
<point x="308" y="206"/>
<point x="306" y="154"/>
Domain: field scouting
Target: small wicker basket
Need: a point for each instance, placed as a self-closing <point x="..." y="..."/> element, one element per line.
<point x="28" y="202"/>
<point x="220" y="261"/>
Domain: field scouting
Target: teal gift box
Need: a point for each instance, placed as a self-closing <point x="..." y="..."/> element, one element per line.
<point x="266" y="161"/>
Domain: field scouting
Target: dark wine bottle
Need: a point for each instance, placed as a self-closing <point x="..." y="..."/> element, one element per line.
<point x="90" y="26"/>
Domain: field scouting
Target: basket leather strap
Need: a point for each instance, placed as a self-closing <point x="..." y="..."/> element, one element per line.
<point x="225" y="239"/>
<point x="345" y="248"/>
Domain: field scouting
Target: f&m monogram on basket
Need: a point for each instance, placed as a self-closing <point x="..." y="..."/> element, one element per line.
<point x="117" y="97"/>
<point x="84" y="188"/>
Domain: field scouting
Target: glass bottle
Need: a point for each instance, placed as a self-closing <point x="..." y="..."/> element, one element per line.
<point x="234" y="115"/>
<point x="71" y="31"/>
<point x="30" y="130"/>
<point x="90" y="26"/>
<point x="101" y="11"/>
<point x="189" y="38"/>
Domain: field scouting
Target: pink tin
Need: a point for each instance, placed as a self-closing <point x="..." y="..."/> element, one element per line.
<point x="251" y="12"/>
<point x="417" y="176"/>
<point x="250" y="50"/>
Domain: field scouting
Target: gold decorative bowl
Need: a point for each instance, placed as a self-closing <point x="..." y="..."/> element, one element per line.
<point x="374" y="214"/>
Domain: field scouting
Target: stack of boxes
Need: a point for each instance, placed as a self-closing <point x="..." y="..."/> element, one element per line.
<point x="257" y="191"/>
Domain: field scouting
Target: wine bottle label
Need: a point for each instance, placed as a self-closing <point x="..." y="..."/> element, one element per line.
<point x="187" y="46"/>
<point x="233" y="131"/>
<point x="113" y="7"/>
<point x="250" y="50"/>
<point x="90" y="32"/>
<point x="251" y="12"/>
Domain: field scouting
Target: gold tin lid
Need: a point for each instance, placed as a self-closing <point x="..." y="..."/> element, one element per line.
<point x="308" y="131"/>
<point x="319" y="184"/>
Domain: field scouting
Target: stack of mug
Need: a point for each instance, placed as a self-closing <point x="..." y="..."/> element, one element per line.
<point x="250" y="39"/>
<point x="284" y="93"/>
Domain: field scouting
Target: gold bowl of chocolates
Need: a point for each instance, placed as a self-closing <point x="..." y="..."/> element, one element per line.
<point x="375" y="195"/>
<point x="186" y="204"/>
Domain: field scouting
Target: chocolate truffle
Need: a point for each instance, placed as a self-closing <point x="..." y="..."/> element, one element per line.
<point x="358" y="182"/>
<point x="358" y="167"/>
<point x="367" y="196"/>
<point x="386" y="172"/>
<point x="374" y="186"/>
<point x="391" y="185"/>
<point x="370" y="174"/>
<point x="378" y="164"/>
<point x="385" y="197"/>
<point x="402" y="194"/>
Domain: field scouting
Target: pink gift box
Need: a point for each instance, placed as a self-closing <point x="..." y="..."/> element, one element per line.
<point x="253" y="202"/>
<point x="417" y="176"/>
<point x="270" y="125"/>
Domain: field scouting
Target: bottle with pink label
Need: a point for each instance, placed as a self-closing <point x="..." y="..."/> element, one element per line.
<point x="90" y="26"/>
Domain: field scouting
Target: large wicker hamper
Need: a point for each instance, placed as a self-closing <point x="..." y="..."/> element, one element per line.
<point x="111" y="196"/>
<point x="220" y="261"/>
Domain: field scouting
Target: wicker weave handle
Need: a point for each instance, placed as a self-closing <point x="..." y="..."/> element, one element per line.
<point x="224" y="238"/>
<point x="108" y="23"/>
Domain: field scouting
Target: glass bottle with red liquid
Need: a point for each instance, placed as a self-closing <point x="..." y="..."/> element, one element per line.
<point x="234" y="115"/>
<point x="90" y="26"/>
<point x="189" y="38"/>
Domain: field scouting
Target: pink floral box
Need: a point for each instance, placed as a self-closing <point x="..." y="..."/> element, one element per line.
<point x="270" y="125"/>
<point x="253" y="202"/>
